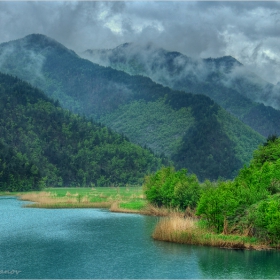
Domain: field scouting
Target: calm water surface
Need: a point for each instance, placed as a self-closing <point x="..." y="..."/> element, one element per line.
<point x="93" y="243"/>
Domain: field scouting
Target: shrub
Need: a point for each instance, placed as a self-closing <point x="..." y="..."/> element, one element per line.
<point x="171" y="188"/>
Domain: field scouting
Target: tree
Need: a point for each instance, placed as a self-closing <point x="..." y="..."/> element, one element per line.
<point x="217" y="205"/>
<point x="171" y="188"/>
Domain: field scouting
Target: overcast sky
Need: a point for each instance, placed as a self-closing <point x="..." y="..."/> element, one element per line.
<point x="248" y="31"/>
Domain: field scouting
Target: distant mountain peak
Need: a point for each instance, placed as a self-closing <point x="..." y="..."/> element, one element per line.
<point x="225" y="61"/>
<point x="43" y="41"/>
<point x="38" y="41"/>
<point x="138" y="46"/>
<point x="125" y="45"/>
<point x="38" y="37"/>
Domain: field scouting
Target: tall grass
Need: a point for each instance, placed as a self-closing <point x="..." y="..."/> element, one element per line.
<point x="4" y="193"/>
<point x="162" y="211"/>
<point x="50" y="200"/>
<point x="186" y="230"/>
<point x="171" y="228"/>
<point x="120" y="199"/>
<point x="128" y="200"/>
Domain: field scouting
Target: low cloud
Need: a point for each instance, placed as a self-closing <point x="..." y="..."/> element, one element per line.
<point x="248" y="31"/>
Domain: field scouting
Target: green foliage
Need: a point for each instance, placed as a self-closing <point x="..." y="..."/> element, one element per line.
<point x="171" y="188"/>
<point x="269" y="152"/>
<point x="235" y="91"/>
<point x="251" y="200"/>
<point x="146" y="123"/>
<point x="267" y="217"/>
<point x="17" y="173"/>
<point x="206" y="149"/>
<point x="45" y="144"/>
<point x="188" y="129"/>
<point x="244" y="137"/>
<point x="218" y="204"/>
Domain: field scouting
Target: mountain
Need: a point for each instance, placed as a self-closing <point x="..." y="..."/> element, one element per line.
<point x="41" y="143"/>
<point x="192" y="130"/>
<point x="225" y="80"/>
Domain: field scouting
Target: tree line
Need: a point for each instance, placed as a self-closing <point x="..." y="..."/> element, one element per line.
<point x="248" y="204"/>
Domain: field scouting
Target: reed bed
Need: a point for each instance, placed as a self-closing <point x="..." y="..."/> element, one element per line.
<point x="87" y="198"/>
<point x="186" y="231"/>
<point x="162" y="211"/>
<point x="144" y="208"/>
<point x="50" y="200"/>
<point x="47" y="198"/>
<point x="172" y="228"/>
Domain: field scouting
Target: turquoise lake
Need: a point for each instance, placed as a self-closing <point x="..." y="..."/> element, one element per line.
<point x="98" y="244"/>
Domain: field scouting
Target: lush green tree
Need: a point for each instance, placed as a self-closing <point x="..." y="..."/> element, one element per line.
<point x="218" y="204"/>
<point x="170" y="188"/>
<point x="265" y="218"/>
<point x="251" y="199"/>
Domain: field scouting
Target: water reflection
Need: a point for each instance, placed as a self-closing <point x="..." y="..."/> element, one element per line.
<point x="223" y="263"/>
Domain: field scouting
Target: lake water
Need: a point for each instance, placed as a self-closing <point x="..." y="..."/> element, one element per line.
<point x="93" y="243"/>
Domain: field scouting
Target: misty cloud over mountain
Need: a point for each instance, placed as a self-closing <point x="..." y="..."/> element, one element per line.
<point x="248" y="31"/>
<point x="196" y="75"/>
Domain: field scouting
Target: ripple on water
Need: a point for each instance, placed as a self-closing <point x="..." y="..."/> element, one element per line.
<point x="94" y="243"/>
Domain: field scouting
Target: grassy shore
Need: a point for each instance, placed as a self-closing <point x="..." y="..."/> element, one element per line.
<point x="120" y="199"/>
<point x="172" y="226"/>
<point x="123" y="197"/>
<point x="187" y="231"/>
<point x="6" y="193"/>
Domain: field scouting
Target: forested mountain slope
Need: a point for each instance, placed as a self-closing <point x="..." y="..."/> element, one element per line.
<point x="41" y="143"/>
<point x="224" y="79"/>
<point x="191" y="130"/>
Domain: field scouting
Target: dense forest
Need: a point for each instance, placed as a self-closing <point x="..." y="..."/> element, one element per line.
<point x="190" y="129"/>
<point x="249" y="204"/>
<point x="223" y="79"/>
<point x="42" y="144"/>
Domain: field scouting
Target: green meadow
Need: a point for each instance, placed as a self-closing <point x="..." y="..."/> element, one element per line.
<point x="121" y="199"/>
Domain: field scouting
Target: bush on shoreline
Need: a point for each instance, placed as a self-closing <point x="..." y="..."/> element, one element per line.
<point x="170" y="188"/>
<point x="246" y="206"/>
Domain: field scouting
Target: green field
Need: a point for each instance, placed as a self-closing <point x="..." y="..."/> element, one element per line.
<point x="122" y="199"/>
<point x="98" y="193"/>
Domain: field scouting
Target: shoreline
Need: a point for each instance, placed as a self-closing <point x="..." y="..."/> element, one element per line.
<point x="187" y="231"/>
<point x="231" y="242"/>
<point x="172" y="226"/>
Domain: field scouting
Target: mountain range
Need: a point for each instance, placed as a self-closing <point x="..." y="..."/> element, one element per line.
<point x="225" y="80"/>
<point x="190" y="129"/>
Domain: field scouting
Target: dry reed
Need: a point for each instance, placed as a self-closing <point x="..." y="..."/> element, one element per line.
<point x="186" y="230"/>
<point x="101" y="195"/>
<point x="161" y="211"/>
<point x="171" y="228"/>
<point x="44" y="199"/>
<point x="85" y="199"/>
<point x="49" y="200"/>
